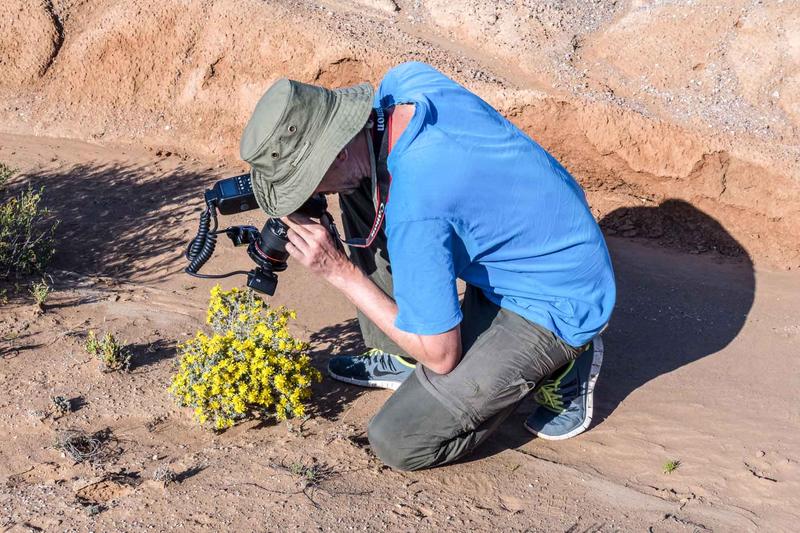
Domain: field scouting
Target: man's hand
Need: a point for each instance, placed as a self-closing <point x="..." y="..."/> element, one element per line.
<point x="312" y="245"/>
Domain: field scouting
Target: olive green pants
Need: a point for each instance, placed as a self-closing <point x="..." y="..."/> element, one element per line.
<point x="435" y="419"/>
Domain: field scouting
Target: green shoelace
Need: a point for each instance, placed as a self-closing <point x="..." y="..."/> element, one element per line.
<point x="548" y="395"/>
<point x="377" y="352"/>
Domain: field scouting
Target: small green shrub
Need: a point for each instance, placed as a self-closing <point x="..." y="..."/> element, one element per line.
<point x="62" y="405"/>
<point x="671" y="466"/>
<point x="165" y="475"/>
<point x="111" y="353"/>
<point x="26" y="236"/>
<point x="6" y="173"/>
<point x="40" y="290"/>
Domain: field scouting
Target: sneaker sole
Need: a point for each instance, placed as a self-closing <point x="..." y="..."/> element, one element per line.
<point x="374" y="384"/>
<point x="597" y="362"/>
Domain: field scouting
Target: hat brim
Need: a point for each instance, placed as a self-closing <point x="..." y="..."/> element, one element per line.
<point x="351" y="109"/>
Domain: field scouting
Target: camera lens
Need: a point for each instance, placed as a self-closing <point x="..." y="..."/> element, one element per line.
<point x="270" y="250"/>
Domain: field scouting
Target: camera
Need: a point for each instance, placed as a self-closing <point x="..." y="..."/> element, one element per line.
<point x="267" y="248"/>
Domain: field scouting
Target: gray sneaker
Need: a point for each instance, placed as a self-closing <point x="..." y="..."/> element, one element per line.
<point x="566" y="400"/>
<point x="375" y="368"/>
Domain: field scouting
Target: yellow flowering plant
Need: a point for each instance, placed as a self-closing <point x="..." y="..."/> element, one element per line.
<point x="249" y="364"/>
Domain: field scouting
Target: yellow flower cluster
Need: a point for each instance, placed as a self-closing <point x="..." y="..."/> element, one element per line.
<point x="250" y="363"/>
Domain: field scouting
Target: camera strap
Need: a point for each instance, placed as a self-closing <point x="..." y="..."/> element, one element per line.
<point x="379" y="137"/>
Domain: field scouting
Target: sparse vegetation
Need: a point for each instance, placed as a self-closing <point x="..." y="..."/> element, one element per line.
<point x="26" y="234"/>
<point x="165" y="475"/>
<point x="40" y="290"/>
<point x="310" y="475"/>
<point x="113" y="354"/>
<point x="94" y="509"/>
<point x="6" y="173"/>
<point x="250" y="364"/>
<point x="62" y="405"/>
<point x="671" y="465"/>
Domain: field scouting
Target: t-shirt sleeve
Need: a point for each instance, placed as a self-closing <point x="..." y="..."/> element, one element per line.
<point x="408" y="82"/>
<point x="424" y="276"/>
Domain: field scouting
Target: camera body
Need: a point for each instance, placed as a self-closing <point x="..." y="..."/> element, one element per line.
<point x="267" y="248"/>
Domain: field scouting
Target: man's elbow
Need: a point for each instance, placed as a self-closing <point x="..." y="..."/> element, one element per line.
<point x="445" y="363"/>
<point x="441" y="353"/>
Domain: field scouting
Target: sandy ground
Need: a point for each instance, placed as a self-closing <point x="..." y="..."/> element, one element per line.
<point x="698" y="369"/>
<point x="679" y="118"/>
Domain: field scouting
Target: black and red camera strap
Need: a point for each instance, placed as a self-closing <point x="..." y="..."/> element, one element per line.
<point x="379" y="140"/>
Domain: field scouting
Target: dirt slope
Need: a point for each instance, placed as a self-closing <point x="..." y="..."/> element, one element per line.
<point x="642" y="101"/>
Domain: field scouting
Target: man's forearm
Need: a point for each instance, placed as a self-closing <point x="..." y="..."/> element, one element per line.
<point x="311" y="244"/>
<point x="382" y="311"/>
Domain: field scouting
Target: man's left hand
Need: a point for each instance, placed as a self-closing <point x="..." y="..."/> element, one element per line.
<point x="312" y="245"/>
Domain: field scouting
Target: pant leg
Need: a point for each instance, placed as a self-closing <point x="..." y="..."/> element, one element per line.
<point x="358" y="214"/>
<point x="435" y="419"/>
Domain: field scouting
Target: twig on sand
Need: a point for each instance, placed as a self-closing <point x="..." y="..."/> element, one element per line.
<point x="310" y="478"/>
<point x="80" y="446"/>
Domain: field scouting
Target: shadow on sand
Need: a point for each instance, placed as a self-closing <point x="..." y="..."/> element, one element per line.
<point x="672" y="309"/>
<point x="122" y="220"/>
<point x="150" y="353"/>
<point x="332" y="398"/>
<point x="676" y="303"/>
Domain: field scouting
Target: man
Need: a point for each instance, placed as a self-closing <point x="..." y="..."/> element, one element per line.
<point x="467" y="195"/>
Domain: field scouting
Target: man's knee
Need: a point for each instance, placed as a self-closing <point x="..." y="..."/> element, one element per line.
<point x="390" y="447"/>
<point x="414" y="430"/>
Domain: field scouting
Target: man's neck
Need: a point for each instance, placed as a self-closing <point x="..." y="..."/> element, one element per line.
<point x="401" y="117"/>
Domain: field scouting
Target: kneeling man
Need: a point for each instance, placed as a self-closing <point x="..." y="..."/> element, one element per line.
<point x="435" y="185"/>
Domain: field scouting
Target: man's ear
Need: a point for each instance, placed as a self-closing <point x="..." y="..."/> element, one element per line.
<point x="343" y="155"/>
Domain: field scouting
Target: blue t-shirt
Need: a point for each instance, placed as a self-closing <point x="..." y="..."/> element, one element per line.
<point x="473" y="197"/>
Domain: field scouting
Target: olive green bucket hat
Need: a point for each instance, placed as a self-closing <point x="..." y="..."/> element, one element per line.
<point x="294" y="135"/>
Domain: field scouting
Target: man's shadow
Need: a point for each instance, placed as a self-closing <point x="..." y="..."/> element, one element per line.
<point x="684" y="289"/>
<point x="333" y="398"/>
